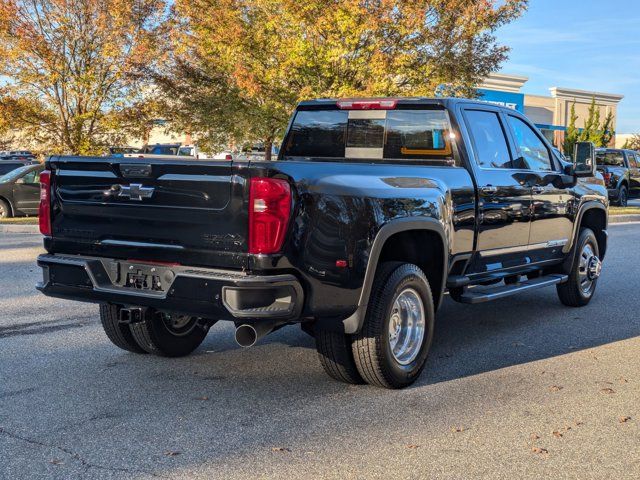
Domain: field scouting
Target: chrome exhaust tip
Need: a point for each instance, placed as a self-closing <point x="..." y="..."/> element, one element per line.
<point x="247" y="335"/>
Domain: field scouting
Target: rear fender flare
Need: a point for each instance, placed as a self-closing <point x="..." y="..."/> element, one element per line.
<point x="353" y="323"/>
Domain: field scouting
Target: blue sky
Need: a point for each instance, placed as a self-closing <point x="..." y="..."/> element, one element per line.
<point x="584" y="44"/>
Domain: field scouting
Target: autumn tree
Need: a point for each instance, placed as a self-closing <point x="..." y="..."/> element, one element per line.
<point x="71" y="69"/>
<point x="633" y="143"/>
<point x="250" y="61"/>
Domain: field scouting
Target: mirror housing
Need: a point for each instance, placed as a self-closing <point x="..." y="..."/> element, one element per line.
<point x="584" y="159"/>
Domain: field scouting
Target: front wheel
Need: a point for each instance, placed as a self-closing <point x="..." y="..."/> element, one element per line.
<point x="391" y="349"/>
<point x="623" y="196"/>
<point x="169" y="335"/>
<point x="585" y="271"/>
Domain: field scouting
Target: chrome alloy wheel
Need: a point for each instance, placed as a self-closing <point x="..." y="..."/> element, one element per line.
<point x="589" y="269"/>
<point x="407" y="326"/>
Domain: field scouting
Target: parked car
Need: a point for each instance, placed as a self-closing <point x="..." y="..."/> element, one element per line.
<point x="23" y="156"/>
<point x="20" y="191"/>
<point x="224" y="155"/>
<point x="373" y="210"/>
<point x="621" y="172"/>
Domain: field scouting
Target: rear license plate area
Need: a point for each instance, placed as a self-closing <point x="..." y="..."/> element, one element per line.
<point x="151" y="278"/>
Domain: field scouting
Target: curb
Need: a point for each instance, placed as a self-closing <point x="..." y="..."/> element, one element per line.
<point x="20" y="229"/>
<point x="624" y="218"/>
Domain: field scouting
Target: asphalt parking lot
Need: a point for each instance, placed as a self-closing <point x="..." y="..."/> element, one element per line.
<point x="519" y="388"/>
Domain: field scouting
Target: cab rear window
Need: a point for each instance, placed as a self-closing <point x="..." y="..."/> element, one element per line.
<point x="370" y="134"/>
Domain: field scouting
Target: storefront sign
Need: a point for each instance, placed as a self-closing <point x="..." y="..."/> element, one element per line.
<point x="511" y="100"/>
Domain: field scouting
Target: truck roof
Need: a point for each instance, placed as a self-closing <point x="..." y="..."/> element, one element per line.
<point x="446" y="102"/>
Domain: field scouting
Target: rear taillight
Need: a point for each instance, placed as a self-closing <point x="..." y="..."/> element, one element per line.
<point x="607" y="178"/>
<point x="44" y="211"/>
<point x="269" y="209"/>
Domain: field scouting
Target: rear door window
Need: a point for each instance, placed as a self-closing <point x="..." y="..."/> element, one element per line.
<point x="370" y="134"/>
<point x="489" y="141"/>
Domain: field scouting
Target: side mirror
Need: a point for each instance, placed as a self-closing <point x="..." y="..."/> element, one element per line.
<point x="20" y="180"/>
<point x="584" y="159"/>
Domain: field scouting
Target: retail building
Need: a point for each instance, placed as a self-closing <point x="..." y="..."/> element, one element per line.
<point x="550" y="113"/>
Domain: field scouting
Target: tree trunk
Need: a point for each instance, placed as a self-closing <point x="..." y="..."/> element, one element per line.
<point x="268" y="146"/>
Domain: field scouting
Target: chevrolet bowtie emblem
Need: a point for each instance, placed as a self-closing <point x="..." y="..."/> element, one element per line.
<point x="135" y="191"/>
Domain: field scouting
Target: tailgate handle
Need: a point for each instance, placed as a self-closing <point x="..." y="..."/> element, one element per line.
<point x="135" y="170"/>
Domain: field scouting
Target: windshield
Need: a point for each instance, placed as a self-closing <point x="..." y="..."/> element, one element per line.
<point x="14" y="174"/>
<point x="611" y="159"/>
<point x="370" y="134"/>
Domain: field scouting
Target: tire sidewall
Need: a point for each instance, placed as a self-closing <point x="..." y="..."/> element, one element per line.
<point x="170" y="344"/>
<point x="623" y="198"/>
<point x="5" y="209"/>
<point x="587" y="236"/>
<point x="399" y="281"/>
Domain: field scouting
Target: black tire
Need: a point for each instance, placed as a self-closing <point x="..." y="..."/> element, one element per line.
<point x="372" y="351"/>
<point x="119" y="333"/>
<point x="623" y="196"/>
<point x="155" y="335"/>
<point x="572" y="293"/>
<point x="336" y="356"/>
<point x="5" y="209"/>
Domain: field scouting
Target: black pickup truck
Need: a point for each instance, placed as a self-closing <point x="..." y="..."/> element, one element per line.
<point x="373" y="211"/>
<point x="621" y="172"/>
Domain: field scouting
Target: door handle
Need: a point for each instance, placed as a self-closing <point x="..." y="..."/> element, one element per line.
<point x="489" y="189"/>
<point x="537" y="189"/>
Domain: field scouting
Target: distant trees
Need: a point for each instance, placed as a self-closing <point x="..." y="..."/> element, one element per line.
<point x="77" y="75"/>
<point x="593" y="131"/>
<point x="71" y="70"/>
<point x="633" y="143"/>
<point x="238" y="67"/>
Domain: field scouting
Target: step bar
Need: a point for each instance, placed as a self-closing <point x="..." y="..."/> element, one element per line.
<point x="483" y="294"/>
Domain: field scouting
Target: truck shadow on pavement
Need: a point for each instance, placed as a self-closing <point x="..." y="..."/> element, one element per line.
<point x="225" y="406"/>
<point x="473" y="339"/>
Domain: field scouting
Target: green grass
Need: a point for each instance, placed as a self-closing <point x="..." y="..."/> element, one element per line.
<point x="624" y="210"/>
<point x="19" y="221"/>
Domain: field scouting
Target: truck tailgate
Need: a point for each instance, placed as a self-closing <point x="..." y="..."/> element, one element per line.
<point x="181" y="209"/>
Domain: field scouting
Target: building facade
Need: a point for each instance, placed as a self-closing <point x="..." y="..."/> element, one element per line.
<point x="551" y="114"/>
